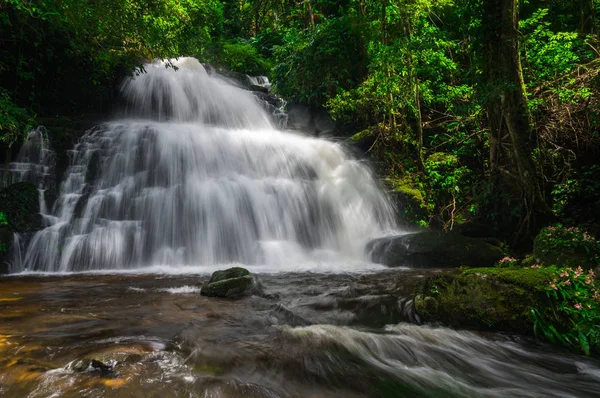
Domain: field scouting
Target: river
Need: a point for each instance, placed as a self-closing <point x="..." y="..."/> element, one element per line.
<point x="315" y="335"/>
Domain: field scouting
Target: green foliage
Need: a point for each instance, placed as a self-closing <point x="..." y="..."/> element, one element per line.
<point x="15" y="121"/>
<point x="549" y="56"/>
<point x="558" y="240"/>
<point x="584" y="187"/>
<point x="3" y="219"/>
<point x="448" y="180"/>
<point x="312" y="66"/>
<point x="573" y="319"/>
<point x="52" y="44"/>
<point x="241" y="56"/>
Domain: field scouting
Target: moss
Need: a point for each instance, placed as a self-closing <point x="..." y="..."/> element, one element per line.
<point x="408" y="199"/>
<point x="364" y="139"/>
<point x="234" y="272"/>
<point x="528" y="278"/>
<point x="231" y="282"/>
<point x="498" y="299"/>
<point x="407" y="187"/>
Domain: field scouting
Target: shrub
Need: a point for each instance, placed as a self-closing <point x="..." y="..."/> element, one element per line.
<point x="242" y="57"/>
<point x="562" y="245"/>
<point x="573" y="319"/>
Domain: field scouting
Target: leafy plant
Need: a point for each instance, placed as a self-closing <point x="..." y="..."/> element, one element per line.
<point x="558" y="240"/>
<point x="448" y="180"/>
<point x="15" y="121"/>
<point x="241" y="56"/>
<point x="573" y="319"/>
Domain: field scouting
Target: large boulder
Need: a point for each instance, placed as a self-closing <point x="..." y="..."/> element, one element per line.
<point x="433" y="250"/>
<point x="232" y="282"/>
<point x="496" y="299"/>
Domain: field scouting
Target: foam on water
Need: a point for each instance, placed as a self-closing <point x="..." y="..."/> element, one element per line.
<point x="181" y="290"/>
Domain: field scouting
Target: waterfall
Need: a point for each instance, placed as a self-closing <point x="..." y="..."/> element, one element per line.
<point x="196" y="174"/>
<point x="35" y="163"/>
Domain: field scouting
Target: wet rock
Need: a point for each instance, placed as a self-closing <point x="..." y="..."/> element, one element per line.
<point x="283" y="315"/>
<point x="374" y="310"/>
<point x="263" y="89"/>
<point x="433" y="250"/>
<point x="90" y="365"/>
<point x="232" y="282"/>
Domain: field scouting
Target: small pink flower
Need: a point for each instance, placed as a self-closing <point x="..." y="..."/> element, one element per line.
<point x="564" y="274"/>
<point x="578" y="306"/>
<point x="567" y="282"/>
<point x="588" y="281"/>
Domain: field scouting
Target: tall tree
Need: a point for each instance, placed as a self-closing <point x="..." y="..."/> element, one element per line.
<point x="511" y="133"/>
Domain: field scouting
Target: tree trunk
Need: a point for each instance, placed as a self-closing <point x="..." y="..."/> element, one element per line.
<point x="507" y="109"/>
<point x="311" y="15"/>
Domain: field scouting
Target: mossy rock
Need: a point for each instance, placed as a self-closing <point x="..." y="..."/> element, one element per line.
<point x="408" y="200"/>
<point x="496" y="299"/>
<point x="232" y="282"/>
<point x="433" y="250"/>
<point x="20" y="203"/>
<point x="364" y="139"/>
<point x="235" y="272"/>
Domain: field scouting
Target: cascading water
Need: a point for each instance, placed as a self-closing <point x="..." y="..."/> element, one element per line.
<point x="198" y="175"/>
<point x="35" y="163"/>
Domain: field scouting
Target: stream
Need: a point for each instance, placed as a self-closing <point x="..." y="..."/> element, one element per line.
<point x="313" y="335"/>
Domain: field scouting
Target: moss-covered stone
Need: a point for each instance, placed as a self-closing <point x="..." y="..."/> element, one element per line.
<point x="364" y="139"/>
<point x="235" y="272"/>
<point x="408" y="199"/>
<point x="232" y="282"/>
<point x="498" y="299"/>
<point x="433" y="250"/>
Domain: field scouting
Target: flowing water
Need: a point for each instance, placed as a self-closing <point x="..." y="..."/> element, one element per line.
<point x="322" y="336"/>
<point x="35" y="163"/>
<point x="198" y="176"/>
<point x="195" y="176"/>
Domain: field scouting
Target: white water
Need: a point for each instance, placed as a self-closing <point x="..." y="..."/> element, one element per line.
<point x="201" y="178"/>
